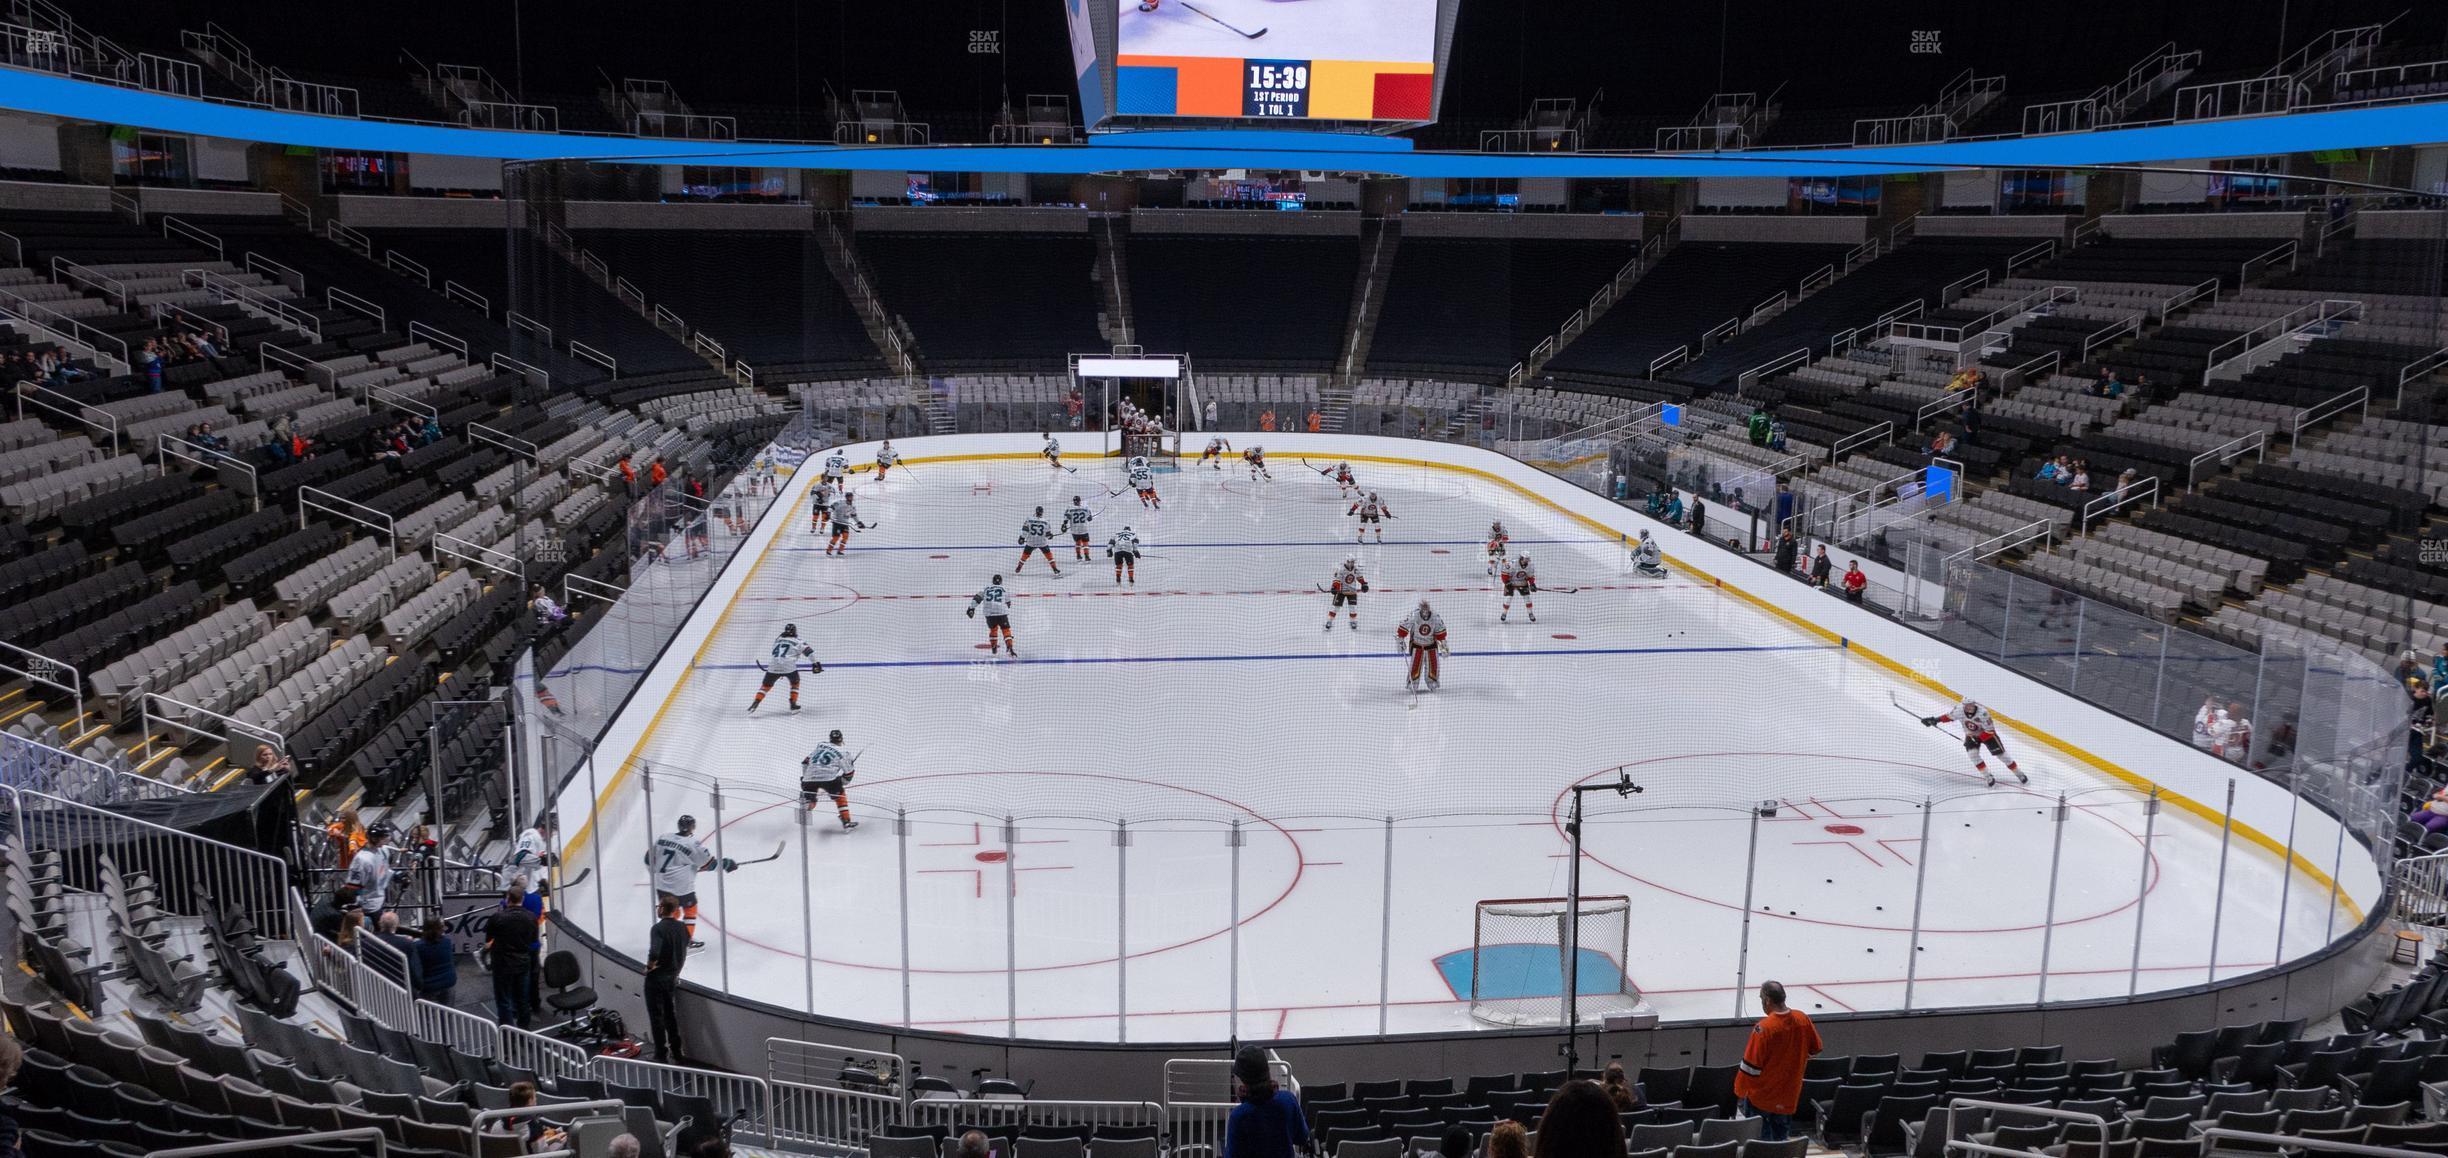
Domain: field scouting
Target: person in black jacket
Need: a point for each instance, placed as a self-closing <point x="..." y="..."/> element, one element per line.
<point x="1819" y="568"/>
<point x="667" y="949"/>
<point x="1786" y="549"/>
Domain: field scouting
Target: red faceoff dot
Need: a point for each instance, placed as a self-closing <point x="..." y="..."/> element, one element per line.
<point x="982" y="646"/>
<point x="1845" y="829"/>
<point x="1439" y="551"/>
<point x="993" y="856"/>
<point x="939" y="556"/>
<point x="1562" y="636"/>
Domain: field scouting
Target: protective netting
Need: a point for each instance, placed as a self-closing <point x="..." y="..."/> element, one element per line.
<point x="1527" y="954"/>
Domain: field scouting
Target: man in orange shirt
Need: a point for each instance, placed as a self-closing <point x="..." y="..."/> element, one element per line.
<point x="1769" y="1080"/>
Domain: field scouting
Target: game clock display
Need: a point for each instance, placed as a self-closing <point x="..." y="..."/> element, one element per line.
<point x="1275" y="88"/>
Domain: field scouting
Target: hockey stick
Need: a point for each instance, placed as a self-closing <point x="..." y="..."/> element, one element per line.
<point x="1236" y="31"/>
<point x="1918" y="717"/>
<point x="580" y="879"/>
<point x="1313" y="466"/>
<point x="777" y="855"/>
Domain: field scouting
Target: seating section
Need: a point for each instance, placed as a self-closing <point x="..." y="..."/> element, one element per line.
<point x="770" y="298"/>
<point x="1454" y="303"/>
<point x="1258" y="302"/>
<point x="989" y="300"/>
<point x="1696" y="287"/>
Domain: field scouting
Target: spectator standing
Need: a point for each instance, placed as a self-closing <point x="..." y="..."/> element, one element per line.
<point x="2232" y="738"/>
<point x="1267" y="1122"/>
<point x="437" y="963"/>
<point x="1769" y="1079"/>
<point x="347" y="835"/>
<point x="1855" y="583"/>
<point x="628" y="473"/>
<point x="1699" y="515"/>
<point x="269" y="765"/>
<point x="1266" y="420"/>
<point x="655" y="474"/>
<point x="1315" y="422"/>
<point x="1210" y="422"/>
<point x="510" y="941"/>
<point x="1784" y="504"/>
<point x="152" y="359"/>
<point x="667" y="949"/>
<point x="1580" y="1122"/>
<point x="1787" y="550"/>
<point x="1819" y="567"/>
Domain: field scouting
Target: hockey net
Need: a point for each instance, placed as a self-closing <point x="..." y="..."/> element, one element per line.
<point x="1517" y="959"/>
<point x="1162" y="448"/>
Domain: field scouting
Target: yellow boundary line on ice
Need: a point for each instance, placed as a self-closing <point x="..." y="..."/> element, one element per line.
<point x="1844" y="644"/>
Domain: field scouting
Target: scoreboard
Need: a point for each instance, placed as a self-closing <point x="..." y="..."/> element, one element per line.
<point x="1146" y="63"/>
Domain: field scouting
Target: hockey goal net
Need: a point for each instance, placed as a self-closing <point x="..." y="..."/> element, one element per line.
<point x="1517" y="965"/>
<point x="1162" y="448"/>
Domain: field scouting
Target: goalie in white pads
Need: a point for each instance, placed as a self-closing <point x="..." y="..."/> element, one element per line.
<point x="1076" y="520"/>
<point x="1646" y="560"/>
<point x="1423" y="632"/>
<point x="1143" y="480"/>
<point x="1979" y="731"/>
<point x="1346" y="587"/>
<point x="827" y="771"/>
<point x="1217" y="447"/>
<point x="1519" y="579"/>
<point x="1034" y="537"/>
<point x="1124" y="548"/>
<point x="782" y="663"/>
<point x="1372" y="512"/>
<point x="996" y="602"/>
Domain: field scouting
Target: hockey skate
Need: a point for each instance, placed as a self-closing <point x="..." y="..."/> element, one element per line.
<point x="794" y="707"/>
<point x="1505" y="617"/>
<point x="1411" y="684"/>
<point x="1330" y="623"/>
<point x="1534" y="617"/>
<point x="2020" y="777"/>
<point x="1432" y="683"/>
<point x="1990" y="777"/>
<point x="752" y="705"/>
<point x="847" y="825"/>
<point x="1355" y="623"/>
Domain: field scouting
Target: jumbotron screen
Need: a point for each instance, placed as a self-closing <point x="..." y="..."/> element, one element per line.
<point x="1260" y="60"/>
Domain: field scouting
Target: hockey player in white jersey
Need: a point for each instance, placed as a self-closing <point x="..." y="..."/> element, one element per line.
<point x="1217" y="447"/>
<point x="845" y="516"/>
<point x="1052" y="451"/>
<point x="534" y="847"/>
<point x="820" y="506"/>
<point x="886" y="459"/>
<point x="767" y="476"/>
<point x="1124" y="548"/>
<point x="836" y="468"/>
<point x="1075" y="522"/>
<point x="1143" y="480"/>
<point x="1346" y="587"/>
<point x="827" y="772"/>
<point x="996" y="603"/>
<point x="1979" y="731"/>
<point x="1497" y="541"/>
<point x="782" y="662"/>
<point x="1519" y="579"/>
<point x="1646" y="559"/>
<point x="1423" y="633"/>
<point x="1371" y="511"/>
<point x="1344" y="484"/>
<point x="1256" y="458"/>
<point x="673" y="863"/>
<point x="1034" y="536"/>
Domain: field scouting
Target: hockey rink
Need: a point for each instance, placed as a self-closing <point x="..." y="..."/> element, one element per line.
<point x="1190" y="811"/>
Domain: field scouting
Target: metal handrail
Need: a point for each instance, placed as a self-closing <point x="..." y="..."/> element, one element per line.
<point x="465" y="296"/>
<point x="1752" y="376"/>
<point x="2360" y="397"/>
<point x="2283" y="326"/>
<point x="1883" y="432"/>
<point x="349" y="238"/>
<point x="318" y="499"/>
<point x="420" y="332"/>
<point x="173" y="227"/>
<point x="340" y="298"/>
<point x="2141" y="489"/>
<point x="256" y="263"/>
<point x="2257" y="442"/>
<point x="1669" y="360"/>
<point x="357" y="1134"/>
<point x="30" y="393"/>
<point x="404" y="265"/>
<point x="267" y="354"/>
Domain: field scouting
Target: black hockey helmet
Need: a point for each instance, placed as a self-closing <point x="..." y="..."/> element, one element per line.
<point x="1041" y="510"/>
<point x="790" y="629"/>
<point x="998" y="579"/>
<point x="1075" y="500"/>
<point x="685" y="825"/>
<point x="836" y="737"/>
<point x="378" y="832"/>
